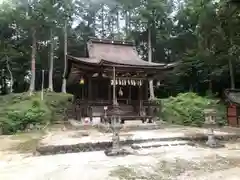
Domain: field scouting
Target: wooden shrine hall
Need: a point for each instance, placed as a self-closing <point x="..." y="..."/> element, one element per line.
<point x="112" y="73"/>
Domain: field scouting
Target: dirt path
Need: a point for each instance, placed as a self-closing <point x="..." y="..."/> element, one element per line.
<point x="183" y="162"/>
<point x="168" y="163"/>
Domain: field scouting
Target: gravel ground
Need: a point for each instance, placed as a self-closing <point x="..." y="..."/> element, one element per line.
<point x="166" y="163"/>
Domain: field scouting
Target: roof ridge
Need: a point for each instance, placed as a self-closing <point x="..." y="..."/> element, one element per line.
<point x="111" y="41"/>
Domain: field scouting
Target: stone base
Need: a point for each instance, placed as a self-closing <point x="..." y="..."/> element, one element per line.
<point x="212" y="142"/>
<point x="215" y="144"/>
<point x="114" y="152"/>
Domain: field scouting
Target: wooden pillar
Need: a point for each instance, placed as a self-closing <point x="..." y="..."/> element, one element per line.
<point x="109" y="91"/>
<point x="89" y="95"/>
<point x="140" y="93"/>
<point x="89" y="88"/>
<point x="114" y="87"/>
<point x="130" y="94"/>
<point x="146" y="89"/>
<point x="82" y="92"/>
<point x="140" y="98"/>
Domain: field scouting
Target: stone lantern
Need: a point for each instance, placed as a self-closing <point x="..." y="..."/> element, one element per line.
<point x="210" y="123"/>
<point x="115" y="126"/>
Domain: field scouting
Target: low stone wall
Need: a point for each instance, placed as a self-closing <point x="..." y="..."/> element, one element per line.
<point x="103" y="145"/>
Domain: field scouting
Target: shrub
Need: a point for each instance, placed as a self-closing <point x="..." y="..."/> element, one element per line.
<point x="18" y="120"/>
<point x="188" y="109"/>
<point x="17" y="111"/>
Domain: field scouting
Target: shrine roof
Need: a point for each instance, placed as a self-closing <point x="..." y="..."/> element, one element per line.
<point x="115" y="53"/>
<point x="233" y="96"/>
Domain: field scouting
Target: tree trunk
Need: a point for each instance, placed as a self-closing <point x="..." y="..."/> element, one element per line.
<point x="50" y="74"/>
<point x="94" y="25"/>
<point x="64" y="83"/>
<point x="102" y="22"/>
<point x="126" y="24"/>
<point x="11" y="76"/>
<point x="2" y="82"/>
<point x="210" y="87"/>
<point x="151" y="90"/>
<point x="118" y="26"/>
<point x="33" y="61"/>
<point x="231" y="73"/>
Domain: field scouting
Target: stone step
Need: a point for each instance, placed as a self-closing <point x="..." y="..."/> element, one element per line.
<point x="154" y="144"/>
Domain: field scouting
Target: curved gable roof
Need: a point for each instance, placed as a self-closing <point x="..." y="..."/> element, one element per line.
<point x="117" y="52"/>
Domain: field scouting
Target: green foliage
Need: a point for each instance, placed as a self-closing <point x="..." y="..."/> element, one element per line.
<point x="57" y="103"/>
<point x="202" y="34"/>
<point x="18" y="111"/>
<point x="188" y="109"/>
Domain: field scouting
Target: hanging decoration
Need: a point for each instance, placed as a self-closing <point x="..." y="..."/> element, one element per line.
<point x="130" y="82"/>
<point x="120" y="92"/>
